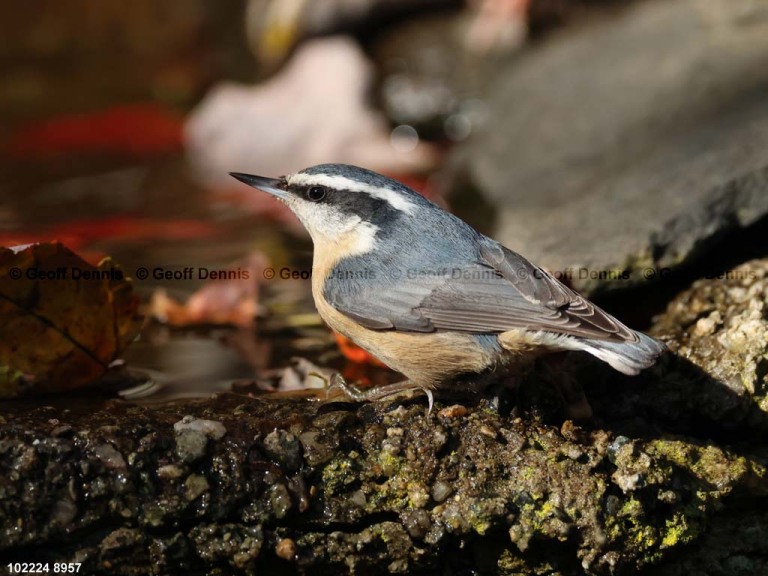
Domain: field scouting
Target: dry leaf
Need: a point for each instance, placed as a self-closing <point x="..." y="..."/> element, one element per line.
<point x="229" y="301"/>
<point x="62" y="320"/>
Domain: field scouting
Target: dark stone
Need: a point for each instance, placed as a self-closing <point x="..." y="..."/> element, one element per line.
<point x="631" y="144"/>
<point x="404" y="492"/>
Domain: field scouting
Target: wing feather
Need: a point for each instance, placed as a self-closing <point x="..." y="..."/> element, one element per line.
<point x="501" y="291"/>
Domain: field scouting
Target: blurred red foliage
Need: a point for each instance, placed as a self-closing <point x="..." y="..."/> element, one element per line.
<point x="77" y="234"/>
<point x="132" y="130"/>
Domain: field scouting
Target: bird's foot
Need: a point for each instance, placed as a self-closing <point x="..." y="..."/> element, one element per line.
<point x="379" y="393"/>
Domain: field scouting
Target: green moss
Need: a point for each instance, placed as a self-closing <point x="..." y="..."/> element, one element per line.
<point x="644" y="537"/>
<point x="546" y="511"/>
<point x="679" y="531"/>
<point x="389" y="463"/>
<point x="535" y="517"/>
<point x="712" y="465"/>
<point x="632" y="508"/>
<point x="630" y="526"/>
<point x="338" y="473"/>
<point x="479" y="526"/>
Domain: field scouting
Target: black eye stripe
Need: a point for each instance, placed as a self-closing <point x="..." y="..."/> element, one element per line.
<point x="315" y="193"/>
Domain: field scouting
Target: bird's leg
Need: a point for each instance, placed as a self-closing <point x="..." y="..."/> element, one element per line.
<point x="378" y="393"/>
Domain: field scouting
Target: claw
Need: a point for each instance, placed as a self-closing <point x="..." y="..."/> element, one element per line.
<point x="349" y="390"/>
<point x="354" y="393"/>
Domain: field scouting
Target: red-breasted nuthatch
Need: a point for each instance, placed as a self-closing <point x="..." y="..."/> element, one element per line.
<point x="427" y="294"/>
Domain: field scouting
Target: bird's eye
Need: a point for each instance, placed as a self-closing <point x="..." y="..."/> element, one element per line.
<point x="316" y="193"/>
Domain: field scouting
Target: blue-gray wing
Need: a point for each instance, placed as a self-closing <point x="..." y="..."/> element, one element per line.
<point x="500" y="291"/>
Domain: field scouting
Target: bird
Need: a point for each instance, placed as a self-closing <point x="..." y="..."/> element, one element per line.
<point x="430" y="296"/>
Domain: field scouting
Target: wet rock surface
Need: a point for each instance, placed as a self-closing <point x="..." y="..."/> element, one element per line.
<point x="669" y="477"/>
<point x="398" y="491"/>
<point x="633" y="143"/>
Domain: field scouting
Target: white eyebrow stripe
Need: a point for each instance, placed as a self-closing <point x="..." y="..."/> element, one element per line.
<point x="341" y="182"/>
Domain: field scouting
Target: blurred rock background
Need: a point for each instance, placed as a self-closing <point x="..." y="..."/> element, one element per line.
<point x="637" y="122"/>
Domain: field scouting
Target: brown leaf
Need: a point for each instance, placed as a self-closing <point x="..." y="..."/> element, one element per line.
<point x="62" y="320"/>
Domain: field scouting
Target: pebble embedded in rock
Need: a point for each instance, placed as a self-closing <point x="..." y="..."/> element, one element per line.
<point x="285" y="448"/>
<point x="280" y="499"/>
<point x="358" y="498"/>
<point x="417" y="522"/>
<point x="209" y="428"/>
<point x="192" y="436"/>
<point x="169" y="472"/>
<point x="110" y="457"/>
<point x="455" y="411"/>
<point x="441" y="490"/>
<point x="195" y="486"/>
<point x="64" y="512"/>
<point x="418" y="495"/>
<point x="286" y="549"/>
<point x="316" y="448"/>
<point x="190" y="445"/>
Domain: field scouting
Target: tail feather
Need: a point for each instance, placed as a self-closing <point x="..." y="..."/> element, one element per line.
<point x="627" y="357"/>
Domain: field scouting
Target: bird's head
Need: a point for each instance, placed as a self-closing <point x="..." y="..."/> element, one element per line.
<point x="341" y="203"/>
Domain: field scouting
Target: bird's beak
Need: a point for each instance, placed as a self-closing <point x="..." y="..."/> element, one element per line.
<point x="274" y="186"/>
